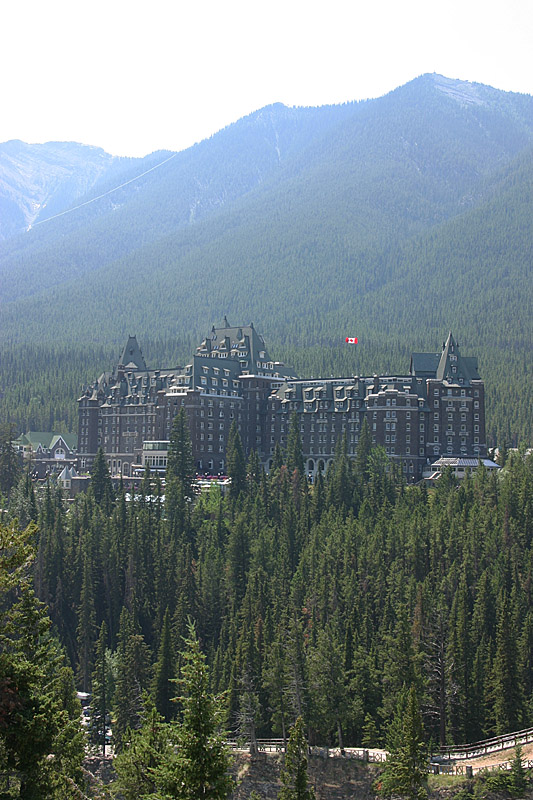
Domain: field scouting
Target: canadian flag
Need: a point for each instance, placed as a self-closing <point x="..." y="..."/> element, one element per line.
<point x="351" y="339"/>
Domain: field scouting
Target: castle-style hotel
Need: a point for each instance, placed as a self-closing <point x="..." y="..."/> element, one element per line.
<point x="436" y="409"/>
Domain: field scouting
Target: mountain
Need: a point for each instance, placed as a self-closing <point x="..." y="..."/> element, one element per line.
<point x="40" y="180"/>
<point x="394" y="218"/>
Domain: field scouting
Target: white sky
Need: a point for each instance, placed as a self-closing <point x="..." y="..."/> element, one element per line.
<point x="134" y="76"/>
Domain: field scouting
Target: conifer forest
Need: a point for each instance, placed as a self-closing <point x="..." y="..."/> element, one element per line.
<point x="324" y="602"/>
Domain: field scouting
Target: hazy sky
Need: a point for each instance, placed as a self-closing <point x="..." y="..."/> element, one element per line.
<point x="134" y="77"/>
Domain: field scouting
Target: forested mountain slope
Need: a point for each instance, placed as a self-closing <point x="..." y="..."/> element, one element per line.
<point x="149" y="198"/>
<point x="394" y="220"/>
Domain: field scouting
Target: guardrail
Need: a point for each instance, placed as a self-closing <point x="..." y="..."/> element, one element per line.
<point x="470" y="770"/>
<point x="485" y="746"/>
<point x="278" y="746"/>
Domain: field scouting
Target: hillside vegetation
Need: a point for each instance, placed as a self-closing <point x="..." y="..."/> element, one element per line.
<point x="395" y="220"/>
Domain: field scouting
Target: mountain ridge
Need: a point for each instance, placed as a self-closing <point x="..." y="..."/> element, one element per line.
<point x="376" y="215"/>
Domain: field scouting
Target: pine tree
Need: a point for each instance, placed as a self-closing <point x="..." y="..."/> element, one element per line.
<point x="517" y="776"/>
<point x="236" y="463"/>
<point x="180" y="461"/>
<point x="295" y="785"/>
<point x="10" y="463"/>
<point x="507" y="701"/>
<point x="101" y="692"/>
<point x="132" y="679"/>
<point x="41" y="741"/>
<point x="101" y="479"/>
<point x="405" y="773"/>
<point x="198" y="766"/>
<point x="86" y="632"/>
<point x="143" y="752"/>
<point x="364" y="447"/>
<point x="165" y="673"/>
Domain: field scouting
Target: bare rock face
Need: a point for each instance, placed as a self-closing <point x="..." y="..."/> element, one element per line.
<point x="40" y="180"/>
<point x="331" y="778"/>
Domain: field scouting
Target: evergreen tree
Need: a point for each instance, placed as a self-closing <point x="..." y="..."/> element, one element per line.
<point x="132" y="679"/>
<point x="507" y="701"/>
<point x="180" y="461"/>
<point x="236" y="463"/>
<point x="143" y="752"/>
<point x="23" y="504"/>
<point x="101" y="479"/>
<point x="364" y="447"/>
<point x="327" y="681"/>
<point x="405" y="773"/>
<point x="41" y="741"/>
<point x="101" y="692"/>
<point x="198" y="766"/>
<point x="10" y="463"/>
<point x="295" y="785"/>
<point x="86" y="631"/>
<point x="517" y="776"/>
<point x="165" y="673"/>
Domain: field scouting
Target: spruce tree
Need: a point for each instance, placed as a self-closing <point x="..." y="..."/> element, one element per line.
<point x="132" y="679"/>
<point x="198" y="766"/>
<point x="86" y="631"/>
<point x="405" y="773"/>
<point x="295" y="785"/>
<point x="101" y="479"/>
<point x="295" y="459"/>
<point x="364" y="447"/>
<point x="10" y="463"/>
<point x="101" y="692"/>
<point x="506" y="695"/>
<point x="165" y="673"/>
<point x="143" y="752"/>
<point x="41" y="741"/>
<point x="180" y="461"/>
<point x="236" y="463"/>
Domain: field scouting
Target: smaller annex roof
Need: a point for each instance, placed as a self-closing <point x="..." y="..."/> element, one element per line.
<point x="47" y="439"/>
<point x="448" y="365"/>
<point x="67" y="474"/>
<point x="458" y="462"/>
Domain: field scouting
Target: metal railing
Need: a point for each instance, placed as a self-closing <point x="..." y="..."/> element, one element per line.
<point x="486" y="746"/>
<point x="278" y="746"/>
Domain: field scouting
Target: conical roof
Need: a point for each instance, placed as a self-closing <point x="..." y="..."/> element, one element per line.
<point x="452" y="367"/>
<point x="132" y="356"/>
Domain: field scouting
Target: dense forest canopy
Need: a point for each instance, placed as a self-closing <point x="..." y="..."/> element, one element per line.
<point x="323" y="602"/>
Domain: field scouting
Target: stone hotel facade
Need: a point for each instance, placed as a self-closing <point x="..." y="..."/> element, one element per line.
<point x="436" y="409"/>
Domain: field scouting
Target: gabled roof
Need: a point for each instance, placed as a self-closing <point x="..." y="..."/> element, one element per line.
<point x="424" y="365"/>
<point x="448" y="365"/>
<point x="67" y="473"/>
<point x="47" y="439"/>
